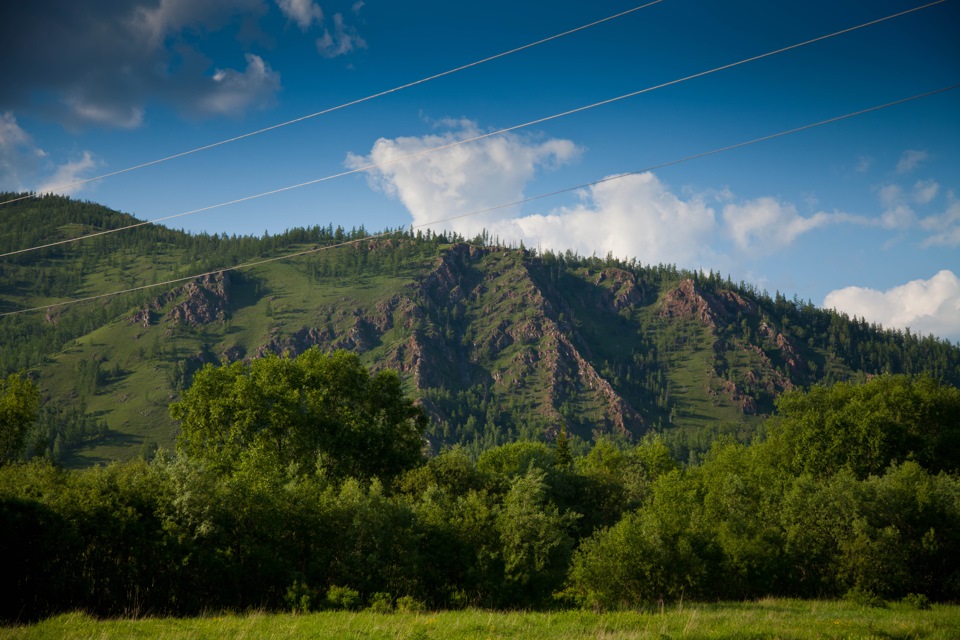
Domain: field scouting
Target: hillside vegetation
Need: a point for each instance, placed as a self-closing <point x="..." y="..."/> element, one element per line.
<point x="450" y="424"/>
<point x="295" y="488"/>
<point x="495" y="343"/>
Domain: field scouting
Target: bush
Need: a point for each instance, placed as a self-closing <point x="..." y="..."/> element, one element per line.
<point x="381" y="602"/>
<point x="917" y="601"/>
<point x="409" y="604"/>
<point x="863" y="598"/>
<point x="300" y="598"/>
<point x="343" y="597"/>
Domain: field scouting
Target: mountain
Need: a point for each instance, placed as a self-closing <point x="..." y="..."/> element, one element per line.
<point x="497" y="343"/>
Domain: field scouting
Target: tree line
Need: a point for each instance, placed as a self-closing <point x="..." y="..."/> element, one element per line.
<point x="300" y="483"/>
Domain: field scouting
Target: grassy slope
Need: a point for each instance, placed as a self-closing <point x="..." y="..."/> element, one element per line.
<point x="135" y="403"/>
<point x="783" y="619"/>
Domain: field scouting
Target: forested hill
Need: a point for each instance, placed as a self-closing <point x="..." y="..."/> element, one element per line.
<point x="497" y="343"/>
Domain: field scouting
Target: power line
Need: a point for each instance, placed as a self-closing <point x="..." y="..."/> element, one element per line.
<point x="477" y="137"/>
<point x="700" y="155"/>
<point x="341" y="106"/>
<point x="298" y="254"/>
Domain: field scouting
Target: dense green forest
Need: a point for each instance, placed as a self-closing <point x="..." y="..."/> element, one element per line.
<point x="298" y="483"/>
<point x="495" y="343"/>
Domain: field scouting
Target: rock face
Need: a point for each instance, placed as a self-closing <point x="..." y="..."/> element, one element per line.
<point x="688" y="300"/>
<point x="207" y="300"/>
<point x="202" y="301"/>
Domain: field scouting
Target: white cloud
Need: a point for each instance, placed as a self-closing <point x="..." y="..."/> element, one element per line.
<point x="910" y="160"/>
<point x="863" y="164"/>
<point x="946" y="227"/>
<point x="342" y="41"/>
<point x="897" y="213"/>
<point x="924" y="191"/>
<point x="68" y="174"/>
<point x="303" y="12"/>
<point x="122" y="116"/>
<point x="460" y="179"/>
<point x="898" y="217"/>
<point x="766" y="224"/>
<point x="19" y="155"/>
<point x="631" y="216"/>
<point x="890" y="195"/>
<point x="22" y="161"/>
<point x="233" y="91"/>
<point x="925" y="306"/>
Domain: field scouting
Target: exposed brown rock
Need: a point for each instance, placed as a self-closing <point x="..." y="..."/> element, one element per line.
<point x="687" y="300"/>
<point x="207" y="300"/>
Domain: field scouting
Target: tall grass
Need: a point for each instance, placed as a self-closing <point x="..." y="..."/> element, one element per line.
<point x="767" y="619"/>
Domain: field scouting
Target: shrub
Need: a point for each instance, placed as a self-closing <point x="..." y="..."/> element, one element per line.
<point x="409" y="604"/>
<point x="917" y="601"/>
<point x="381" y="602"/>
<point x="300" y="598"/>
<point x="343" y="597"/>
<point x="863" y="598"/>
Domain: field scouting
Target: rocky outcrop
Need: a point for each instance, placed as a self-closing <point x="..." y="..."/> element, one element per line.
<point x="687" y="300"/>
<point x="202" y="301"/>
<point x="790" y="356"/>
<point x="207" y="300"/>
<point x="296" y="343"/>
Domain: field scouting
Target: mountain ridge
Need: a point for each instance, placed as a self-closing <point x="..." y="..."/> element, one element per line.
<point x="497" y="343"/>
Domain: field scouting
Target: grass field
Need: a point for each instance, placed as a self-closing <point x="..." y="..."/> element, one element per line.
<point x="767" y="619"/>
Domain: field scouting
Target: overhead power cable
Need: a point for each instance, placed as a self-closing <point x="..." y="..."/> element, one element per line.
<point x="340" y="106"/>
<point x="475" y="138"/>
<point x="256" y="263"/>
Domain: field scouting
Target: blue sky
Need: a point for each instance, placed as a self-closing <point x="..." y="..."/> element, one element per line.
<point x="862" y="215"/>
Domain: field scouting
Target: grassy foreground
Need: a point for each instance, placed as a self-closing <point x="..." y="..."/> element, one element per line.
<point x="767" y="619"/>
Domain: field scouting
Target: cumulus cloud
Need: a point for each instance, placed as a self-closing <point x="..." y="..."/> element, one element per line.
<point x="767" y="224"/>
<point x="910" y="160"/>
<point x="460" y="179"/>
<point x="234" y="91"/>
<point x="303" y="12"/>
<point x="925" y="306"/>
<point x="631" y="216"/>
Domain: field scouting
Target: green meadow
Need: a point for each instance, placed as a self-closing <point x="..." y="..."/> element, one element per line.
<point x="767" y="619"/>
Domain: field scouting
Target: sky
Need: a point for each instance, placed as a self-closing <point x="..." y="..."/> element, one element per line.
<point x="861" y="215"/>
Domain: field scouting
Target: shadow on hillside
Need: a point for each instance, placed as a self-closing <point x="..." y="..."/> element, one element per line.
<point x="83" y="457"/>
